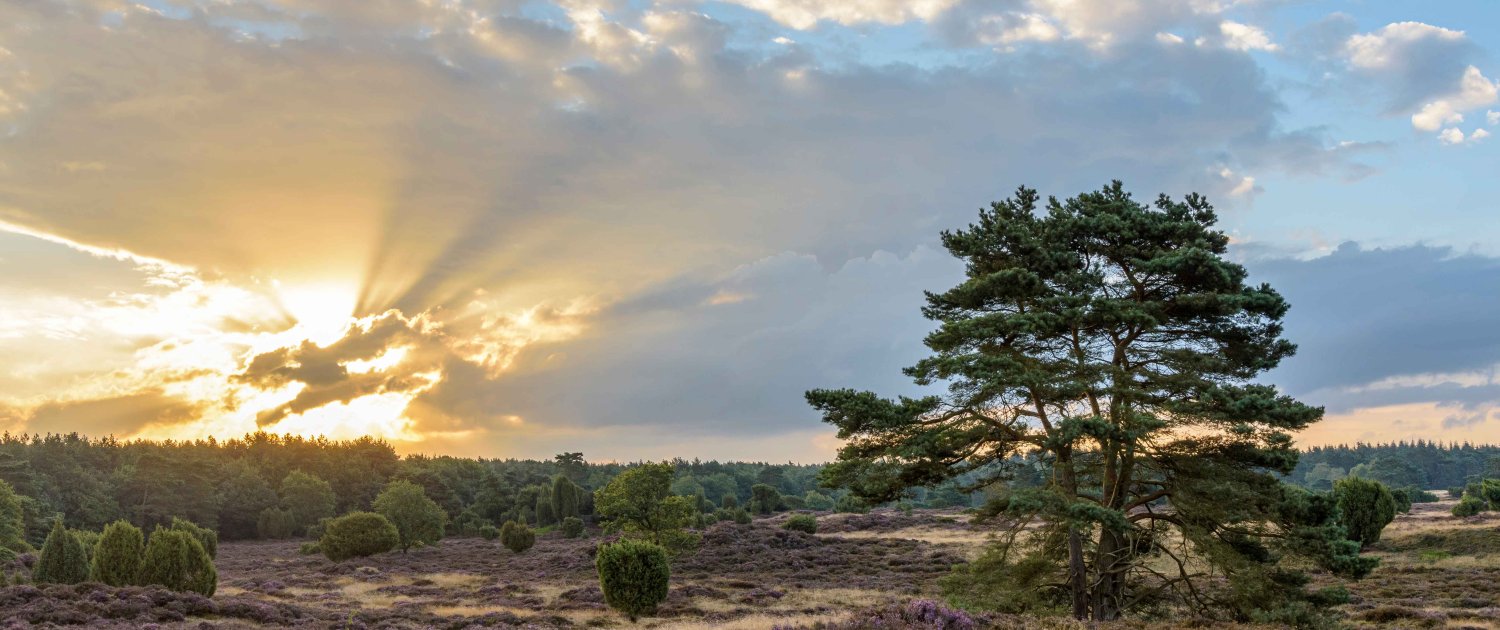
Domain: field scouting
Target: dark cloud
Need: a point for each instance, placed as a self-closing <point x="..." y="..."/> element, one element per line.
<point x="119" y="415"/>
<point x="1360" y="316"/>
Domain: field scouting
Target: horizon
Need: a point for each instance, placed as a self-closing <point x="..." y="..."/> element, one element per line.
<point x="642" y="229"/>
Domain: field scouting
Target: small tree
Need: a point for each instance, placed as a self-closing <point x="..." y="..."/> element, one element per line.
<point x="417" y="518"/>
<point x="572" y="527"/>
<point x="307" y="497"/>
<point x="566" y="496"/>
<point x="633" y="575"/>
<point x="117" y="555"/>
<point x="517" y="537"/>
<point x="176" y="560"/>
<point x="850" y="504"/>
<point x="764" y="499"/>
<point x="277" y="523"/>
<point x="1365" y="507"/>
<point x="63" y="560"/>
<point x="640" y="503"/>
<point x="489" y="532"/>
<point x="12" y="520"/>
<point x="544" y="513"/>
<point x="1468" y="506"/>
<point x="206" y="537"/>
<point x="815" y="500"/>
<point x="729" y="502"/>
<point x="358" y="534"/>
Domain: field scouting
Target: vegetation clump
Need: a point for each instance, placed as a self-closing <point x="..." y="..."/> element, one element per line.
<point x="418" y="519"/>
<point x="572" y="527"/>
<point x="802" y="523"/>
<point x="117" y="554"/>
<point x="175" y="559"/>
<point x="633" y="574"/>
<point x="639" y="502"/>
<point x="358" y="534"/>
<point x="208" y="538"/>
<point x="63" y="560"/>
<point x="489" y="532"/>
<point x="517" y="537"/>
<point x="1365" y="508"/>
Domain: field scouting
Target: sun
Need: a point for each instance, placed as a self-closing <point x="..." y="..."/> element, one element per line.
<point x="322" y="311"/>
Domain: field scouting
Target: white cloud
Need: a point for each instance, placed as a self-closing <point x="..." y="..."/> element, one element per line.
<point x="1384" y="48"/>
<point x="1474" y="91"/>
<point x="1478" y="134"/>
<point x="1168" y="38"/>
<point x="805" y="14"/>
<point x="1245" y="37"/>
<point x="1492" y="117"/>
<point x="1012" y="28"/>
<point x="1451" y="135"/>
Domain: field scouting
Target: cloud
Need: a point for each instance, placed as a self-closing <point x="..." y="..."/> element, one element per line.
<point x="805" y="14"/>
<point x="1380" y="327"/>
<point x="1424" y="69"/>
<point x="1244" y="37"/>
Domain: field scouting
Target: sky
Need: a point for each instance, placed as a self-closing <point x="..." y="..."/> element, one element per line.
<point x="641" y="229"/>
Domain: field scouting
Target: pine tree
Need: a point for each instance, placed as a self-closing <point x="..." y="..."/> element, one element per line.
<point x="1116" y="340"/>
<point x="12" y="520"/>
<point x="63" y="560"/>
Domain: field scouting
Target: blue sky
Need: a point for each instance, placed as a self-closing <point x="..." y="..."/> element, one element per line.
<point x="642" y="228"/>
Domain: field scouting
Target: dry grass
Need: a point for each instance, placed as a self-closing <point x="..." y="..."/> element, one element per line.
<point x="924" y="533"/>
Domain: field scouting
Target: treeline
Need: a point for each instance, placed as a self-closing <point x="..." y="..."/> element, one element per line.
<point x="1420" y="464"/>
<point x="270" y="486"/>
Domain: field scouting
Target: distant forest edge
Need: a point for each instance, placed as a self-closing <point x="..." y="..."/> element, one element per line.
<point x="239" y="485"/>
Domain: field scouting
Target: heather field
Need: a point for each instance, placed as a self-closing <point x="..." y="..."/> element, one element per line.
<point x="876" y="570"/>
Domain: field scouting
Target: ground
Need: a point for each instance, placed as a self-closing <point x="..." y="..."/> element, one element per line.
<point x="1437" y="572"/>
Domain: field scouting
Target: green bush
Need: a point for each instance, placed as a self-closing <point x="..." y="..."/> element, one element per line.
<point x="88" y="539"/>
<point x="1365" y="508"/>
<point x="489" y="532"/>
<point x="815" y="500"/>
<point x="63" y="560"/>
<point x="117" y="554"/>
<point x="572" y="527"/>
<point x="740" y="516"/>
<point x="516" y="537"/>
<point x="12" y="519"/>
<point x="418" y="519"/>
<point x="802" y="523"/>
<point x="206" y="537"/>
<point x="358" y="534"/>
<point x="851" y="504"/>
<point x="276" y="523"/>
<point x="1419" y="495"/>
<point x="764" y="499"/>
<point x="311" y="548"/>
<point x="633" y="575"/>
<point x="1468" y="506"/>
<point x="176" y="560"/>
<point x="729" y="502"/>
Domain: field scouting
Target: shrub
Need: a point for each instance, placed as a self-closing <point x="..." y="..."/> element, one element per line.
<point x="516" y="537"/>
<point x="1419" y="495"/>
<point x="87" y="539"/>
<point x="566" y="497"/>
<point x="62" y="560"/>
<point x="358" y="534"/>
<point x="307" y="497"/>
<point x="276" y="523"/>
<point x="633" y="575"/>
<point x="117" y="555"/>
<point x="1468" y="506"/>
<point x="12" y="519"/>
<point x="311" y="548"/>
<point x="1365" y="508"/>
<point x="489" y="532"/>
<point x="741" y="516"/>
<point x="175" y="559"/>
<point x="802" y="523"/>
<point x="1403" y="500"/>
<point x="418" y="519"/>
<point x="815" y="500"/>
<point x="764" y="499"/>
<point x="851" y="504"/>
<point x="572" y="527"/>
<point x="729" y="502"/>
<point x="206" y="537"/>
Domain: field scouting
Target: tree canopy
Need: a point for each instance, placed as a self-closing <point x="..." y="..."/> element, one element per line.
<point x="1113" y="341"/>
